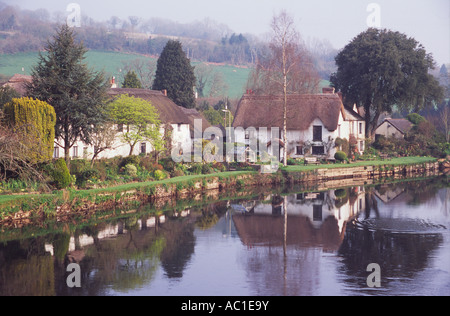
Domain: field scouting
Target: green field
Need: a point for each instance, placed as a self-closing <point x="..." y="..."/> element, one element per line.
<point x="112" y="63"/>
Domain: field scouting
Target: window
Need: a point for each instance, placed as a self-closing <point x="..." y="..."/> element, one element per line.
<point x="56" y="153"/>
<point x="317" y="213"/>
<point x="144" y="148"/>
<point x="247" y="134"/>
<point x="179" y="127"/>
<point x="299" y="150"/>
<point x="360" y="128"/>
<point x="318" y="150"/>
<point x="75" y="152"/>
<point x="85" y="152"/>
<point x="317" y="133"/>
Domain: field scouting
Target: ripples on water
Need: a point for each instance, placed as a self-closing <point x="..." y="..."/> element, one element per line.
<point x="280" y="243"/>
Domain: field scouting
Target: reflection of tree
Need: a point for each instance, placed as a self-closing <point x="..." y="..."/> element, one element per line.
<point x="131" y="259"/>
<point x="25" y="270"/>
<point x="137" y="266"/>
<point x="371" y="204"/>
<point x="211" y="215"/>
<point x="180" y="243"/>
<point x="399" y="255"/>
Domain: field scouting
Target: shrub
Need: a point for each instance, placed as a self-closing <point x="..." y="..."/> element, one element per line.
<point x="168" y="164"/>
<point x="34" y="121"/>
<point x="61" y="175"/>
<point x="196" y="168"/>
<point x="86" y="175"/>
<point x="340" y="156"/>
<point x="207" y="169"/>
<point x="130" y="160"/>
<point x="131" y="170"/>
<point x="343" y="144"/>
<point x="146" y="163"/>
<point x="177" y="173"/>
<point x="159" y="175"/>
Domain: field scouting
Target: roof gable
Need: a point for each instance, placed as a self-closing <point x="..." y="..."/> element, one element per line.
<point x="302" y="109"/>
<point x="402" y="125"/>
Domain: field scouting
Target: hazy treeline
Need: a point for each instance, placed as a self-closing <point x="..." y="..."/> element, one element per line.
<point x="206" y="41"/>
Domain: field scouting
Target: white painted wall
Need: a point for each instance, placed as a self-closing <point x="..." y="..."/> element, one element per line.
<point x="388" y="130"/>
<point x="180" y="136"/>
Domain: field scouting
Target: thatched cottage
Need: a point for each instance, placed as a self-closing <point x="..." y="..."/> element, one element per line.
<point x="314" y="122"/>
<point x="171" y="115"/>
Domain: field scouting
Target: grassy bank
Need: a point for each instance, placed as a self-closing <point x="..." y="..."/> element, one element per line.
<point x="391" y="162"/>
<point x="26" y="206"/>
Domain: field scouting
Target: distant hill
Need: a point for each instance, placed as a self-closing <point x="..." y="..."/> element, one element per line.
<point x="113" y="62"/>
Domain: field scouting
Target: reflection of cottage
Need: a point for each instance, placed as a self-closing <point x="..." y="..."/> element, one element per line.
<point x="171" y="116"/>
<point x="396" y="128"/>
<point x="314" y="122"/>
<point x="314" y="218"/>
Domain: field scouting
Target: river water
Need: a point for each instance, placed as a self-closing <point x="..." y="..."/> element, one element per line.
<point x="274" y="243"/>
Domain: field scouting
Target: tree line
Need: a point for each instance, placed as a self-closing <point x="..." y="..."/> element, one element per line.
<point x="25" y="30"/>
<point x="205" y="41"/>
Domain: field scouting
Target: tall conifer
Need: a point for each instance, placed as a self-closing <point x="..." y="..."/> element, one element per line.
<point x="175" y="74"/>
<point x="77" y="93"/>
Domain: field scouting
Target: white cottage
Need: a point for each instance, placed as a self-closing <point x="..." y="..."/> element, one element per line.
<point x="170" y="115"/>
<point x="314" y="122"/>
<point x="396" y="128"/>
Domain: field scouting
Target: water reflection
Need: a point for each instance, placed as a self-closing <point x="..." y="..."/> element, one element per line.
<point x="284" y="243"/>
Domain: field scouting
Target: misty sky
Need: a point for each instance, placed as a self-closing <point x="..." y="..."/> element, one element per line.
<point x="428" y="21"/>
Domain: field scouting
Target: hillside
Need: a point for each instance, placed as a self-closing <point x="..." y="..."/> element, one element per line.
<point x="112" y="63"/>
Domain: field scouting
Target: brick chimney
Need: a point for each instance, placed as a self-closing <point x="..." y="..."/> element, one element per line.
<point x="328" y="90"/>
<point x="113" y="83"/>
<point x="164" y="92"/>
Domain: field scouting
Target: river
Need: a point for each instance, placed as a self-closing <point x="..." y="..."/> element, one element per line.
<point x="275" y="243"/>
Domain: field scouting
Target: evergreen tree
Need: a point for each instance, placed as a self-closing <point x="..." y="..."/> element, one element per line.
<point x="77" y="93"/>
<point x="175" y="74"/>
<point x="131" y="81"/>
<point x="379" y="69"/>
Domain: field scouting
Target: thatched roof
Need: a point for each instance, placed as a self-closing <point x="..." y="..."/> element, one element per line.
<point x="18" y="82"/>
<point x="193" y="115"/>
<point x="267" y="111"/>
<point x="267" y="230"/>
<point x="169" y="112"/>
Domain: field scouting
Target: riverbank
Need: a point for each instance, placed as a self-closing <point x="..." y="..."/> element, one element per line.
<point x="25" y="207"/>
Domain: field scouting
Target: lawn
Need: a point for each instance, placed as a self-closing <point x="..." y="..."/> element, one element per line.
<point x="112" y="63"/>
<point x="393" y="161"/>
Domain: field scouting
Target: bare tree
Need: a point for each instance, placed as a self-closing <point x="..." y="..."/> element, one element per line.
<point x="104" y="139"/>
<point x="285" y="67"/>
<point x="444" y="120"/>
<point x="134" y="21"/>
<point x="145" y="69"/>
